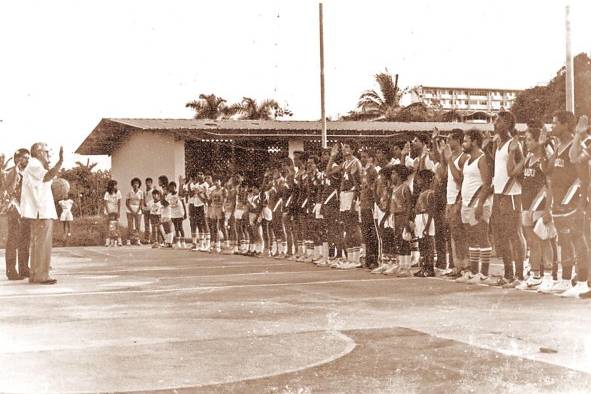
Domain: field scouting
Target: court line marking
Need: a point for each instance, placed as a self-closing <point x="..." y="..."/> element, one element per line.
<point x="197" y="289"/>
<point x="349" y="343"/>
<point x="164" y="268"/>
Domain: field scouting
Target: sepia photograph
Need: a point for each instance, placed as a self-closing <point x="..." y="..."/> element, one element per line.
<point x="295" y="196"/>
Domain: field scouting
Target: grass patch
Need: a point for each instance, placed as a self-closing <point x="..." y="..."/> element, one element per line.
<point x="86" y="231"/>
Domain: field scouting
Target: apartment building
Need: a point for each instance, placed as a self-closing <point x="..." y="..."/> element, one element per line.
<point x="465" y="99"/>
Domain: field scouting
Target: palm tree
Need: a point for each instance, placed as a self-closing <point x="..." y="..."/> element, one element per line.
<point x="265" y="110"/>
<point x="210" y="106"/>
<point x="87" y="167"/>
<point x="382" y="105"/>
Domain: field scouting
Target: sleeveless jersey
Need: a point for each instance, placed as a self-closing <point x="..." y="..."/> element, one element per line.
<point x="532" y="183"/>
<point x="502" y="183"/>
<point x="453" y="187"/>
<point x="472" y="182"/>
<point x="564" y="177"/>
<point x="217" y="198"/>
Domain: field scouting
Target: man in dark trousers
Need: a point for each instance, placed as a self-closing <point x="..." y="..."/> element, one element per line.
<point x="19" y="232"/>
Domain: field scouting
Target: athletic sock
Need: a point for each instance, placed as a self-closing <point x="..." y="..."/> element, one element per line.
<point x="485" y="260"/>
<point x="474" y="256"/>
<point x="325" y="250"/>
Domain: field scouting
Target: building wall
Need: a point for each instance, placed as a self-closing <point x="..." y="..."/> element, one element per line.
<point x="147" y="154"/>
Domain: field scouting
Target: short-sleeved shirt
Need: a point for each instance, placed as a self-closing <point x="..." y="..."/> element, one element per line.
<point x="112" y="200"/>
<point x="156" y="208"/>
<point x="166" y="213"/>
<point x="66" y="205"/>
<point x="135" y="199"/>
<point x="148" y="199"/>
<point x="176" y="206"/>
<point x="196" y="189"/>
<point x="36" y="196"/>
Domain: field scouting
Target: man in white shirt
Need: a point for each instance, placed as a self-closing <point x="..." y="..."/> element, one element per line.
<point x="38" y="206"/>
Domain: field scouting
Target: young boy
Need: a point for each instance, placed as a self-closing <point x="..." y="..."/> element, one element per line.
<point x="178" y="214"/>
<point x="401" y="208"/>
<point x="155" y="214"/>
<point x="424" y="223"/>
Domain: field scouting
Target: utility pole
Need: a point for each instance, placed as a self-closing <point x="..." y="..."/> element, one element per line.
<point x="322" y="109"/>
<point x="570" y="83"/>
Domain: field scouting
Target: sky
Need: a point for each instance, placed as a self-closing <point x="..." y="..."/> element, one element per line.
<point x="66" y="64"/>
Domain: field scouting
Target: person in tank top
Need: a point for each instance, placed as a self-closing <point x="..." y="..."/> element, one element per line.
<point x="476" y="208"/>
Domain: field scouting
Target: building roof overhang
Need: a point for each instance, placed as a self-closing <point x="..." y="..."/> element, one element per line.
<point x="107" y="136"/>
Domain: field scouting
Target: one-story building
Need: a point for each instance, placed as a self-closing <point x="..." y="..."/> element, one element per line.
<point x="180" y="147"/>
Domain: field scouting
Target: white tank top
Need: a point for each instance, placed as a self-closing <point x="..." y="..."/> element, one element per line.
<point x="453" y="188"/>
<point x="501" y="176"/>
<point x="472" y="181"/>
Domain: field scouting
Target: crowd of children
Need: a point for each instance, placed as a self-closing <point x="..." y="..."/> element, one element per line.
<point x="435" y="205"/>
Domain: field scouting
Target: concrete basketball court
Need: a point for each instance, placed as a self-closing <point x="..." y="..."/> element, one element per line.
<point x="134" y="319"/>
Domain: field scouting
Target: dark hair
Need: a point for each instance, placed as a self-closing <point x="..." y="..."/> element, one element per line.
<point x="71" y="195"/>
<point x="136" y="180"/>
<point x="457" y="134"/>
<point x="149" y="179"/>
<point x="508" y="118"/>
<point x="475" y="136"/>
<point x="156" y="192"/>
<point x="352" y="144"/>
<point x="111" y="186"/>
<point x="386" y="172"/>
<point x="163" y="179"/>
<point x="20" y="153"/>
<point x="172" y="184"/>
<point x="565" y="117"/>
<point x="399" y="144"/>
<point x="535" y="124"/>
<point x="535" y="132"/>
<point x="426" y="176"/>
<point x="424" y="138"/>
<point x="402" y="171"/>
<point x="369" y="152"/>
<point x="315" y="159"/>
<point x="287" y="161"/>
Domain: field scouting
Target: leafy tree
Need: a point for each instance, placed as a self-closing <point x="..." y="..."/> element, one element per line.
<point x="265" y="110"/>
<point x="540" y="102"/>
<point x="210" y="106"/>
<point x="88" y="187"/>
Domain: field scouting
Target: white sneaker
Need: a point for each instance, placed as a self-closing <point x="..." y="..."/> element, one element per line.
<point x="477" y="279"/>
<point x="530" y="284"/>
<point x="576" y="290"/>
<point x="442" y="271"/>
<point x="560" y="286"/>
<point x="128" y="243"/>
<point x="380" y="269"/>
<point x="466" y="276"/>
<point x="391" y="270"/>
<point x="547" y="284"/>
<point x="322" y="262"/>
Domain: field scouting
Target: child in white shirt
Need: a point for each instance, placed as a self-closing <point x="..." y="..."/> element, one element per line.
<point x="112" y="210"/>
<point x="66" y="216"/>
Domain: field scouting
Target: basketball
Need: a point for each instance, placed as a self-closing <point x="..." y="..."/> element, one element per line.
<point x="60" y="189"/>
